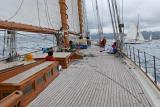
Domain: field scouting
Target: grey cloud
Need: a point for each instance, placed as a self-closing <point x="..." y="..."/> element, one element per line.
<point x="149" y="11"/>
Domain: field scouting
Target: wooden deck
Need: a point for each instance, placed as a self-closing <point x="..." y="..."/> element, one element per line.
<point x="100" y="80"/>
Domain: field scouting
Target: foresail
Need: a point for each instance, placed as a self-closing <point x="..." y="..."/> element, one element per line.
<point x="41" y="13"/>
<point x="73" y="15"/>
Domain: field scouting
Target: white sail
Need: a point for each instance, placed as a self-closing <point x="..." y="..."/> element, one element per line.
<point x="150" y="37"/>
<point x="141" y="38"/>
<point x="26" y="12"/>
<point x="133" y="33"/>
<point x="73" y="15"/>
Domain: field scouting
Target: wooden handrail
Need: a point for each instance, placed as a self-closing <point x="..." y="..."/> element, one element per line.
<point x="12" y="100"/>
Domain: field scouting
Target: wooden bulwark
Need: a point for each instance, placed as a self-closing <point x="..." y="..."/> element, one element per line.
<point x="30" y="85"/>
<point x="13" y="100"/>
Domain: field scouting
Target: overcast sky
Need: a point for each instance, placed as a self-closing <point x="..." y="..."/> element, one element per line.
<point x="149" y="11"/>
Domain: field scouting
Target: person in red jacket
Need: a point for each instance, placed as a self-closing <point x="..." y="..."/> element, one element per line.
<point x="50" y="56"/>
<point x="103" y="42"/>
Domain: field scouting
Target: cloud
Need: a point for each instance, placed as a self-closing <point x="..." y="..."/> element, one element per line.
<point x="147" y="9"/>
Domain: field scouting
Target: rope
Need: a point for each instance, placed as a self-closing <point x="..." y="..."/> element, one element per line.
<point x="20" y="6"/>
<point x="94" y="11"/>
<point x="109" y="5"/>
<point x="39" y="21"/>
<point x="114" y="16"/>
<point x="100" y="29"/>
<point x="117" y="14"/>
<point x="46" y="13"/>
<point x="123" y="87"/>
<point x="86" y="18"/>
<point x="72" y="2"/>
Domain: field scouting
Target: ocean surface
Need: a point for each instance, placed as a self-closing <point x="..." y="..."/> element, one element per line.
<point x="149" y="52"/>
<point x="30" y="43"/>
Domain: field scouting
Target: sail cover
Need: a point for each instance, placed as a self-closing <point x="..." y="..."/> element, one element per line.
<point x="42" y="13"/>
<point x="73" y="15"/>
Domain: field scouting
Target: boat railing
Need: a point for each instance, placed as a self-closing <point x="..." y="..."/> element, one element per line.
<point x="12" y="100"/>
<point x="149" y="64"/>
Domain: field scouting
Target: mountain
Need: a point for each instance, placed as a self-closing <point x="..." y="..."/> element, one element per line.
<point x="155" y="35"/>
<point x="146" y="35"/>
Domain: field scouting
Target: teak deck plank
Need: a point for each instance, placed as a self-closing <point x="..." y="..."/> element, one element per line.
<point x="100" y="81"/>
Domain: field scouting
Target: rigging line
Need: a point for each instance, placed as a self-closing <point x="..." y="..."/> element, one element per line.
<point x="46" y="13"/>
<point x="114" y="16"/>
<point x="38" y="13"/>
<point x="119" y="7"/>
<point x="109" y="5"/>
<point x="123" y="87"/>
<point x="73" y="25"/>
<point x="49" y="17"/>
<point x="117" y="14"/>
<point x="100" y="30"/>
<point x="19" y="8"/>
<point x="95" y="18"/>
<point x="102" y="3"/>
<point x="86" y="18"/>
<point x="122" y="13"/>
<point x="39" y="21"/>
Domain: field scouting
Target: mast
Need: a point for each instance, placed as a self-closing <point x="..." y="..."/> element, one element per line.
<point x="80" y="11"/>
<point x="64" y="17"/>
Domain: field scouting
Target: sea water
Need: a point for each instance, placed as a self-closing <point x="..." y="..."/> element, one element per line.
<point x="30" y="43"/>
<point x="151" y="49"/>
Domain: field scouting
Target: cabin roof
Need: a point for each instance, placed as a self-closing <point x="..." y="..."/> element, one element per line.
<point x="24" y="75"/>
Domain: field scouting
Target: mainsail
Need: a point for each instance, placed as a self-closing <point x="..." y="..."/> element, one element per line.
<point x="42" y="13"/>
<point x="59" y="17"/>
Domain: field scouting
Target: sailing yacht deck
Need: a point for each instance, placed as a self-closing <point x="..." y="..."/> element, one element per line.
<point x="99" y="80"/>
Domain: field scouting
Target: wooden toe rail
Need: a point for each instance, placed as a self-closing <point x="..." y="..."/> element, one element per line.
<point x="13" y="100"/>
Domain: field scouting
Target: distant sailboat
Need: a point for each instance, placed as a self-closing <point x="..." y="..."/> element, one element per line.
<point x="135" y="36"/>
<point x="150" y="37"/>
